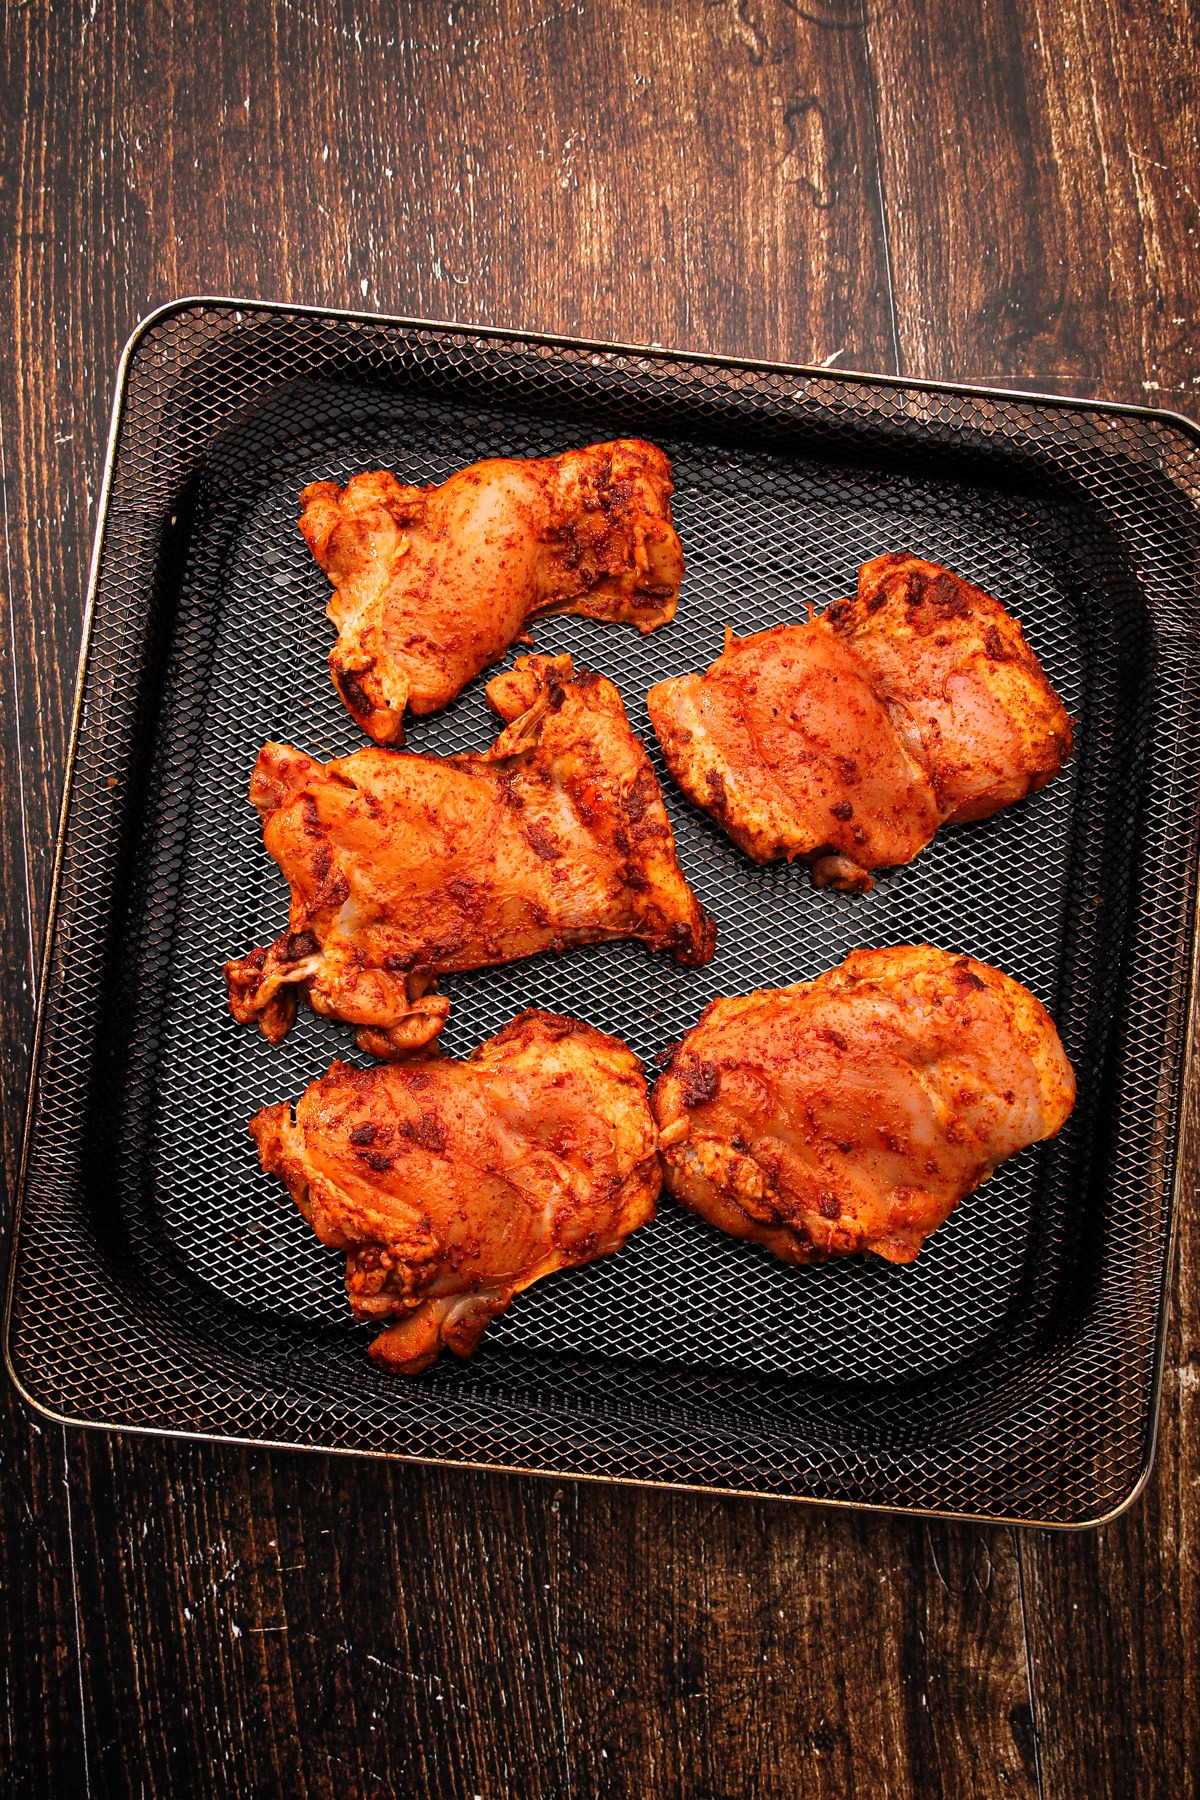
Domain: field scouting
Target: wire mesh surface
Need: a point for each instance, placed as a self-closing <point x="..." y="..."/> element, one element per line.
<point x="164" y="1281"/>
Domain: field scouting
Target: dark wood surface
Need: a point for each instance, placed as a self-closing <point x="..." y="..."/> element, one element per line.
<point x="1003" y="192"/>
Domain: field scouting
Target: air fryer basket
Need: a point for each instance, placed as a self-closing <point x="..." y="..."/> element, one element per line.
<point x="163" y="1282"/>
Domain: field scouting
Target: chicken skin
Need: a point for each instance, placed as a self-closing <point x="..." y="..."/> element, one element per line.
<point x="852" y="1113"/>
<point x="787" y="744"/>
<point x="404" y="867"/>
<point x="847" y="741"/>
<point x="992" y="728"/>
<point x="431" y="584"/>
<point x="453" y="1185"/>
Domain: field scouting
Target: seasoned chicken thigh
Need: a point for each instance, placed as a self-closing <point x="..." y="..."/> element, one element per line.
<point x="848" y="740"/>
<point x="853" y="1113"/>
<point x="992" y="729"/>
<point x="453" y="1185"/>
<point x="403" y="867"/>
<point x="431" y="584"/>
<point x="787" y="744"/>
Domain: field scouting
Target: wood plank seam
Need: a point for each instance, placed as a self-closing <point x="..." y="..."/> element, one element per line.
<point x="1034" y="1708"/>
<point x="87" y="1771"/>
<point x="881" y="188"/>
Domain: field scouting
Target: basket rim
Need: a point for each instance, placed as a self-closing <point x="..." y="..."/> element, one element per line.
<point x="1160" y="418"/>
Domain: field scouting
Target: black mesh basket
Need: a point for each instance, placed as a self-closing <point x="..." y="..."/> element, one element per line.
<point x="163" y="1283"/>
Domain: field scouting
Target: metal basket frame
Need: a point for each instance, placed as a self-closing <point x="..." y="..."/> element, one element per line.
<point x="1052" y="1421"/>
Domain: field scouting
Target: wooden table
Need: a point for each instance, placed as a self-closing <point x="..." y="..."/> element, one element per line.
<point x="1003" y="193"/>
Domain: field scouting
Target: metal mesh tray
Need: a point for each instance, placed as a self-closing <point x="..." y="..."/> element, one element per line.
<point x="162" y="1282"/>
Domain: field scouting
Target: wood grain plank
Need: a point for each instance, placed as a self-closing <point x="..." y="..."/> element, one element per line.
<point x="1039" y="167"/>
<point x="1044" y="218"/>
<point x="42" y="1747"/>
<point x="786" y="1652"/>
<point x="341" y="1630"/>
<point x="332" y="1628"/>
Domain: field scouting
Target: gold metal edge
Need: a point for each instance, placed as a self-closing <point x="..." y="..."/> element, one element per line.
<point x="412" y="1460"/>
<point x="663" y="353"/>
